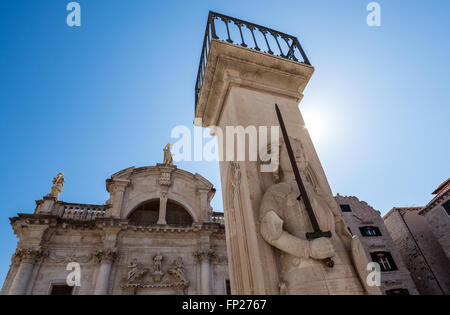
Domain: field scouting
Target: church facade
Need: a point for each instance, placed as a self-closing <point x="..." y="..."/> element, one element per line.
<point x="157" y="234"/>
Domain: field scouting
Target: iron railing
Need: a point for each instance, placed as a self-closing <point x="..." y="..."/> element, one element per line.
<point x="250" y="36"/>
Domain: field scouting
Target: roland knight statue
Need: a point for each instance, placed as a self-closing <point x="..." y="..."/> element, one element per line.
<point x="285" y="222"/>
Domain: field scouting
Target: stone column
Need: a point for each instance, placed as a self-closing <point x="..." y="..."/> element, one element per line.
<point x="204" y="257"/>
<point x="26" y="259"/>
<point x="240" y="88"/>
<point x="116" y="187"/>
<point x="203" y="196"/>
<point x="105" y="258"/>
<point x="162" y="208"/>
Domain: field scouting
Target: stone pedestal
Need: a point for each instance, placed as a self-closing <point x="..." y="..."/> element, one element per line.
<point x="47" y="205"/>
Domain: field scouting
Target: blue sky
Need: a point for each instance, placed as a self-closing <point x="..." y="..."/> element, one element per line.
<point x="93" y="100"/>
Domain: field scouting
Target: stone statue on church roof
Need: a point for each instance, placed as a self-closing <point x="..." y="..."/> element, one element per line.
<point x="57" y="187"/>
<point x="168" y="156"/>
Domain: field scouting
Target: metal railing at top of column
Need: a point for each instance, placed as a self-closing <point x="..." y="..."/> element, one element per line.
<point x="247" y="35"/>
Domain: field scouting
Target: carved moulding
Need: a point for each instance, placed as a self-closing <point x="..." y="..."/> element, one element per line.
<point x="175" y="277"/>
<point x="53" y="258"/>
<point x="105" y="255"/>
<point x="28" y="255"/>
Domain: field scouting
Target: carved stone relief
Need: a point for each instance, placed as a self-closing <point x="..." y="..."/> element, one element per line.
<point x="172" y="277"/>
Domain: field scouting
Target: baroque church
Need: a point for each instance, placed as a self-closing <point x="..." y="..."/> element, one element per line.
<point x="156" y="234"/>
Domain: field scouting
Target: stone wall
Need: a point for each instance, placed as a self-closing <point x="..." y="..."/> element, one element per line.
<point x="422" y="254"/>
<point x="363" y="215"/>
<point x="439" y="221"/>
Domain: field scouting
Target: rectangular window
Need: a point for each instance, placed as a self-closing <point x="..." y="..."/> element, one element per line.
<point x="397" y="292"/>
<point x="370" y="231"/>
<point x="345" y="208"/>
<point x="385" y="260"/>
<point x="227" y="287"/>
<point x="446" y="206"/>
<point x="61" y="290"/>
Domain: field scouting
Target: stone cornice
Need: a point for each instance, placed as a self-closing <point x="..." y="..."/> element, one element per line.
<point x="217" y="229"/>
<point x="400" y="211"/>
<point x="199" y="180"/>
<point x="436" y="202"/>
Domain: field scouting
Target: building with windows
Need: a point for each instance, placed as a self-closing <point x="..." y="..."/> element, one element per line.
<point x="421" y="251"/>
<point x="365" y="222"/>
<point x="437" y="213"/>
<point x="157" y="234"/>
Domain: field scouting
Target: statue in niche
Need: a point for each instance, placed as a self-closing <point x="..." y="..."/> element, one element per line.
<point x="136" y="272"/>
<point x="157" y="267"/>
<point x="168" y="156"/>
<point x="57" y="187"/>
<point x="284" y="224"/>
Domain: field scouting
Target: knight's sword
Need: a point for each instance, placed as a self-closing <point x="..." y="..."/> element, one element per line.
<point x="318" y="233"/>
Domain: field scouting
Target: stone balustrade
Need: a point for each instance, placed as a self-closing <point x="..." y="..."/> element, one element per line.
<point x="217" y="217"/>
<point x="83" y="212"/>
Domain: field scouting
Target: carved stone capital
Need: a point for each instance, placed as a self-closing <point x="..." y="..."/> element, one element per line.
<point x="113" y="185"/>
<point x="28" y="255"/>
<point x="106" y="256"/>
<point x="204" y="255"/>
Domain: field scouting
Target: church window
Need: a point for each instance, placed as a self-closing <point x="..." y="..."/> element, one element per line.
<point x="61" y="290"/>
<point x="227" y="287"/>
<point x="385" y="260"/>
<point x="370" y="231"/>
<point x="346" y="208"/>
<point x="146" y="214"/>
<point x="397" y="292"/>
<point x="177" y="215"/>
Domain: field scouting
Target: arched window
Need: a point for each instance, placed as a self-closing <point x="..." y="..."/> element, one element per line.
<point x="146" y="214"/>
<point x="177" y="214"/>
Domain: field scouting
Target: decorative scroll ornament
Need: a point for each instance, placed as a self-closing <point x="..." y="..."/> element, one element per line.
<point x="173" y="278"/>
<point x="28" y="255"/>
<point x="105" y="255"/>
<point x="70" y="258"/>
<point x="204" y="255"/>
<point x="165" y="178"/>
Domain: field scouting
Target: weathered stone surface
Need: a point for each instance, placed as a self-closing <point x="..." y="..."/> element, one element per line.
<point x="240" y="88"/>
<point x="421" y="252"/>
<point x="363" y="215"/>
